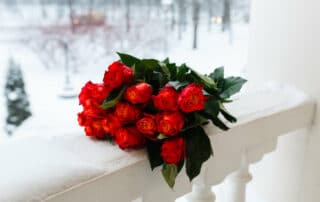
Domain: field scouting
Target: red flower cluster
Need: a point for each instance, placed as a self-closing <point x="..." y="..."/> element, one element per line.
<point x="128" y="123"/>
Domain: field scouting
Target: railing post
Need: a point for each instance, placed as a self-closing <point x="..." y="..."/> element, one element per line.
<point x="235" y="184"/>
<point x="201" y="190"/>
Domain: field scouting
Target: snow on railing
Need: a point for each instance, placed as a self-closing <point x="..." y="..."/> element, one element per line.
<point x="75" y="168"/>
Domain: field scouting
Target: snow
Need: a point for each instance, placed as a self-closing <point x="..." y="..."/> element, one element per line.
<point x="33" y="168"/>
<point x="53" y="116"/>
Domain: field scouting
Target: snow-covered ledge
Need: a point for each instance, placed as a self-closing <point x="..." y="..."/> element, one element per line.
<point x="76" y="168"/>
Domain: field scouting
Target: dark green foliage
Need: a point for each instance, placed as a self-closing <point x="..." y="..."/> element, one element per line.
<point x="216" y="88"/>
<point x="18" y="109"/>
<point x="114" y="97"/>
<point x="153" y="149"/>
<point x="198" y="150"/>
<point x="170" y="172"/>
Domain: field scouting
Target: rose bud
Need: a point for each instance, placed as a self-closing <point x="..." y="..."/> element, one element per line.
<point x="94" y="128"/>
<point x="173" y="150"/>
<point x="89" y="114"/>
<point x="117" y="75"/>
<point x="111" y="124"/>
<point x="167" y="99"/>
<point x="126" y="112"/>
<point x="170" y="123"/>
<point x="92" y="94"/>
<point x="139" y="93"/>
<point x="191" y="98"/>
<point x="147" y="125"/>
<point x="82" y="119"/>
<point x="129" y="137"/>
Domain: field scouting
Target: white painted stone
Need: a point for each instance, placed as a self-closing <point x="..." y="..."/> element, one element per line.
<point x="75" y="168"/>
<point x="284" y="46"/>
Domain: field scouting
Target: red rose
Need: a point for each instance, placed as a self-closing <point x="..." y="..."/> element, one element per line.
<point x="93" y="95"/>
<point x="95" y="129"/>
<point x="139" y="93"/>
<point x="94" y="111"/>
<point x="147" y="125"/>
<point x="126" y="112"/>
<point x="191" y="98"/>
<point x="167" y="99"/>
<point x="170" y="123"/>
<point x="173" y="150"/>
<point x="90" y="113"/>
<point x="111" y="124"/>
<point x="129" y="137"/>
<point x="92" y="125"/>
<point x="117" y="75"/>
<point x="82" y="119"/>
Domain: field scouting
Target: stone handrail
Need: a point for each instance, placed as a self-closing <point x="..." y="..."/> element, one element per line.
<point x="75" y="168"/>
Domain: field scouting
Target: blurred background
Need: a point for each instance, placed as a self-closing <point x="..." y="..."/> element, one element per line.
<point x="50" y="48"/>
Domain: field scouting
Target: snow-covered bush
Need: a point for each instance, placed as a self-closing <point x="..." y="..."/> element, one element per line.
<point x="18" y="107"/>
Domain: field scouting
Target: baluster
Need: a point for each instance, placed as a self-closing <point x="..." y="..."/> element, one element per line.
<point x="201" y="190"/>
<point x="235" y="184"/>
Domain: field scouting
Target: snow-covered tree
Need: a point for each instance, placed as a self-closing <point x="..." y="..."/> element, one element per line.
<point x="195" y="20"/>
<point x="182" y="17"/>
<point x="226" y="16"/>
<point x="18" y="107"/>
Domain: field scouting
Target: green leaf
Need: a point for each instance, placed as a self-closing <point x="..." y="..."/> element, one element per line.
<point x="178" y="85"/>
<point x="139" y="72"/>
<point x="217" y="74"/>
<point x="157" y="80"/>
<point x="181" y="72"/>
<point x="113" y="98"/>
<point x="212" y="107"/>
<point x="231" y="86"/>
<point x="180" y="165"/>
<point x="170" y="172"/>
<point x="193" y="120"/>
<point x="128" y="60"/>
<point x="151" y="64"/>
<point x="165" y="70"/>
<point x="173" y="71"/>
<point x="217" y="122"/>
<point x="154" y="149"/>
<point x="206" y="81"/>
<point x="198" y="150"/>
<point x="108" y="138"/>
<point x="166" y="61"/>
<point x="227" y="115"/>
<point x="162" y="136"/>
<point x="199" y="119"/>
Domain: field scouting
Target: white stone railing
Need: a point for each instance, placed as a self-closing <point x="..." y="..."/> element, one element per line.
<point x="75" y="168"/>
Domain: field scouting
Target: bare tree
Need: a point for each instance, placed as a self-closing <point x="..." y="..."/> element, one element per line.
<point x="226" y="16"/>
<point x="226" y="19"/>
<point x="195" y="19"/>
<point x="71" y="15"/>
<point x="181" y="17"/>
<point x="43" y="8"/>
<point x="173" y="16"/>
<point x="210" y="13"/>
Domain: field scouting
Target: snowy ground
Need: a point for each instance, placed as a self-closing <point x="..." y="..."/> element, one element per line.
<point x="55" y="116"/>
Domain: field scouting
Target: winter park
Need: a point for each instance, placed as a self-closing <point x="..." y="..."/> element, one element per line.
<point x="49" y="39"/>
<point x="159" y="101"/>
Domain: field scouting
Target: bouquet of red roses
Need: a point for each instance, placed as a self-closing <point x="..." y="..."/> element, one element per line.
<point x="160" y="106"/>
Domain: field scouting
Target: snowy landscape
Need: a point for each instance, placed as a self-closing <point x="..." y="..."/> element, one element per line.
<point x="42" y="38"/>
